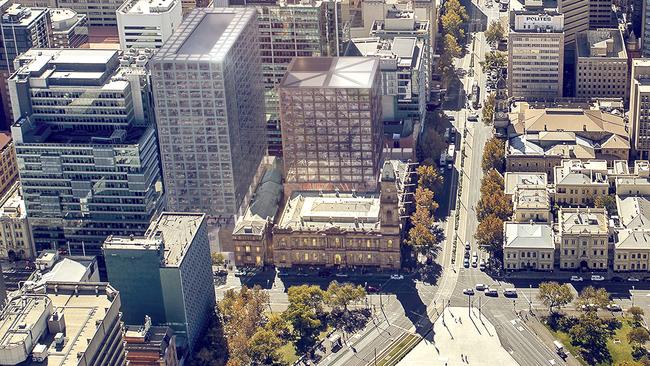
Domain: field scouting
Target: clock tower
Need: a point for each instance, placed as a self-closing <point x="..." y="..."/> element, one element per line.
<point x="501" y="104"/>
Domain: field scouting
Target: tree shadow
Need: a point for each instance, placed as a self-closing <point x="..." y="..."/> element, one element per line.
<point x="414" y="308"/>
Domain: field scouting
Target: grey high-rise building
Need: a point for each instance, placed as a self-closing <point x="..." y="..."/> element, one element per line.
<point x="210" y="110"/>
<point x="85" y="145"/>
<point x="601" y="14"/>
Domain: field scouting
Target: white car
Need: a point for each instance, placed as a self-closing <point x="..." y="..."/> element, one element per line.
<point x="468" y="291"/>
<point x="576" y="279"/>
<point x="480" y="287"/>
<point x="614" y="307"/>
<point x="633" y="279"/>
<point x="396" y="277"/>
<point x="597" y="278"/>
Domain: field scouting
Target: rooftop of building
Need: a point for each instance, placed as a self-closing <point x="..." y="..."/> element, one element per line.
<point x="173" y="232"/>
<point x="314" y="211"/>
<point x="583" y="221"/>
<point x="331" y="72"/>
<point x="528" y="236"/>
<point x="206" y="34"/>
<point x="145" y="7"/>
<point x="25" y="321"/>
<point x="577" y="172"/>
<point x="61" y="14"/>
<point x="265" y="203"/>
<point x="512" y="180"/>
<point x="537" y="120"/>
<point x="634" y="211"/>
<point x="536" y="197"/>
<point x="406" y="51"/>
<point x="12" y="204"/>
<point x="147" y="338"/>
<point x="5" y="140"/>
<point x="21" y="15"/>
<point x="633" y="239"/>
<point x="601" y="43"/>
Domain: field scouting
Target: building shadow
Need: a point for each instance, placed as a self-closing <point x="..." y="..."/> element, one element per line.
<point x="414" y="308"/>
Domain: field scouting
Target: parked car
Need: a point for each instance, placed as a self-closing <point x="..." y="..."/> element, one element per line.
<point x="614" y="307"/>
<point x="341" y="274"/>
<point x="480" y="287"/>
<point x="467" y="246"/>
<point x="632" y="279"/>
<point x="468" y="291"/>
<point x="482" y="266"/>
<point x="576" y="279"/>
<point x="396" y="276"/>
<point x="466" y="263"/>
<point x="597" y="278"/>
<point x="490" y="292"/>
<point x="372" y="288"/>
<point x="467" y="254"/>
<point x="510" y="292"/>
<point x="474" y="263"/>
<point x="221" y="272"/>
<point x="239" y="272"/>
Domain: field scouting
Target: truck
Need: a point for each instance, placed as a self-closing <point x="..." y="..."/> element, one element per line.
<point x="476" y="95"/>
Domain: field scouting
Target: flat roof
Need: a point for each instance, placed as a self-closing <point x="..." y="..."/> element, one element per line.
<point x="610" y="41"/>
<point x="206" y="34"/>
<point x="316" y="211"/>
<point x="173" y="231"/>
<point x="83" y="306"/>
<point x="580" y="221"/>
<point x="141" y="7"/>
<point x="512" y="180"/>
<point x="331" y="72"/>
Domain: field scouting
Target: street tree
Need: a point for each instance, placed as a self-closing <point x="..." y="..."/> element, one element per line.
<point x="212" y="348"/>
<point x="279" y="325"/>
<point x="489" y="235"/>
<point x="638" y="335"/>
<point x="305" y="324"/>
<point x="591" y="334"/>
<point x="492" y="182"/>
<point x="591" y="298"/>
<point x="243" y="314"/>
<point x="340" y="296"/>
<point x="494" y="155"/>
<point x="488" y="109"/>
<point x="429" y="177"/>
<point x="310" y="296"/>
<point x="554" y="295"/>
<point x="608" y="202"/>
<point x="494" y="204"/>
<point x="263" y="348"/>
<point x="218" y="259"/>
<point x="452" y="25"/>
<point x="495" y="32"/>
<point x="636" y="312"/>
<point x="425" y="198"/>
<point x="451" y="46"/>
<point x="430" y="146"/>
<point x="494" y="60"/>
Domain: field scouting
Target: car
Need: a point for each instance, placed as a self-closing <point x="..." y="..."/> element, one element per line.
<point x="341" y="274"/>
<point x="450" y="166"/>
<point x="239" y="272"/>
<point x="372" y="288"/>
<point x="467" y="246"/>
<point x="480" y="287"/>
<point x="614" y="307"/>
<point x="473" y="117"/>
<point x="597" y="278"/>
<point x="467" y="254"/>
<point x="482" y="266"/>
<point x="396" y="276"/>
<point x="466" y="263"/>
<point x="587" y="307"/>
<point x="221" y="272"/>
<point x="632" y="279"/>
<point x="283" y="273"/>
<point x="468" y="291"/>
<point x="576" y="279"/>
<point x="510" y="292"/>
<point x="490" y="292"/>
<point x="475" y="256"/>
<point x="474" y="263"/>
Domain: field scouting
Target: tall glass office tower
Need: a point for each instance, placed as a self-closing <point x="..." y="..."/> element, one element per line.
<point x="210" y="110"/>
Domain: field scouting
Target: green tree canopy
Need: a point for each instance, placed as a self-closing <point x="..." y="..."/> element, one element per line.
<point x="636" y="312"/>
<point x="494" y="153"/>
<point x="489" y="235"/>
<point x="608" y="202"/>
<point x="591" y="334"/>
<point x="593" y="298"/>
<point x="341" y="295"/>
<point x="638" y="335"/>
<point x="429" y="177"/>
<point x="495" y="32"/>
<point x="554" y="295"/>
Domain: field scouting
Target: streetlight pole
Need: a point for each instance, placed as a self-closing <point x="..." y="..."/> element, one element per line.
<point x="469" y="306"/>
<point x="530" y="299"/>
<point x="632" y="295"/>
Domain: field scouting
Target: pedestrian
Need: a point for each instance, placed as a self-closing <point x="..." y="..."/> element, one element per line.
<point x="460" y="320"/>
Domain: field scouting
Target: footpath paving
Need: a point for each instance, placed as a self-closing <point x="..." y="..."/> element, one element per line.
<point x="456" y="334"/>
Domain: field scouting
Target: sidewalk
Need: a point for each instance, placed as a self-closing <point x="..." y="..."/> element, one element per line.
<point x="456" y="333"/>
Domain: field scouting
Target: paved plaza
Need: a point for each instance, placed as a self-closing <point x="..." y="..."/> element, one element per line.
<point x="457" y="333"/>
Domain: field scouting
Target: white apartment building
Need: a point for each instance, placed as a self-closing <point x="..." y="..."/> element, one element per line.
<point x="536" y="54"/>
<point x="528" y="246"/>
<point x="584" y="237"/>
<point x="147" y="24"/>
